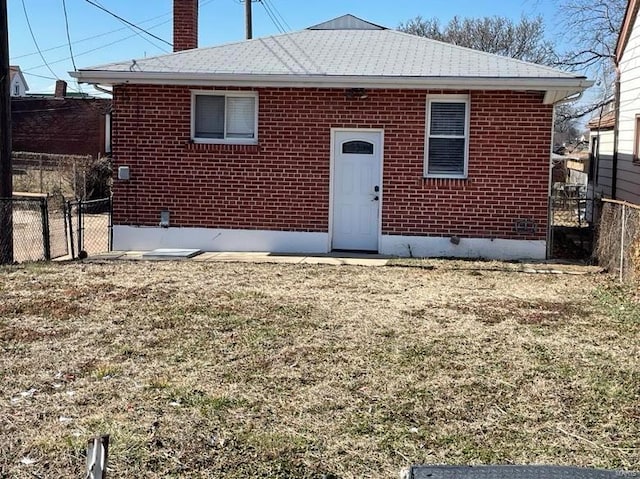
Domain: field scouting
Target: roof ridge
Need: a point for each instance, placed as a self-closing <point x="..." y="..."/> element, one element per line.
<point x="347" y="21"/>
<point x="386" y="30"/>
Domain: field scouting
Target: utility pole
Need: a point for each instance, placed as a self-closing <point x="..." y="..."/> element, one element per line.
<point x="248" y="21"/>
<point x="6" y="183"/>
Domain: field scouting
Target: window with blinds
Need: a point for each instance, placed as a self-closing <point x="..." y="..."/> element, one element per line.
<point x="447" y="137"/>
<point x="224" y="117"/>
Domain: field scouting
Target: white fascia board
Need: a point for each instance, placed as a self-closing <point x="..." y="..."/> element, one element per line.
<point x="325" y="81"/>
<point x="555" y="96"/>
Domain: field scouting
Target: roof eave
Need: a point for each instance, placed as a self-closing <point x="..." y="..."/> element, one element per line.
<point x="556" y="89"/>
<point x="627" y="25"/>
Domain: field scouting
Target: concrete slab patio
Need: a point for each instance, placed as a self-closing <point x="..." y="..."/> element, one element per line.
<point x="358" y="259"/>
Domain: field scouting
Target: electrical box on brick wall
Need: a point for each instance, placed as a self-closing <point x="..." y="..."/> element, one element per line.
<point x="123" y="173"/>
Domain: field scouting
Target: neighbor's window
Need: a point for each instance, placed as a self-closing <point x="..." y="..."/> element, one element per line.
<point x="447" y="136"/>
<point x="224" y="117"/>
<point x="636" y="141"/>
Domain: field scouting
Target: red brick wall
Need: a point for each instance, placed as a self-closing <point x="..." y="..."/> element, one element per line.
<point x="283" y="182"/>
<point x="67" y="126"/>
<point x="185" y="24"/>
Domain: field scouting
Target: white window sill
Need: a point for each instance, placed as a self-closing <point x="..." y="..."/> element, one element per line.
<point x="234" y="141"/>
<point x="450" y="177"/>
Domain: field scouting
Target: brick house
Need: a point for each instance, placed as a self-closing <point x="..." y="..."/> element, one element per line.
<point x="343" y="136"/>
<point x="60" y="123"/>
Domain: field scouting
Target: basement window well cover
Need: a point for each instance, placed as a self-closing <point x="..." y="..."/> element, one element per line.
<point x="516" y="472"/>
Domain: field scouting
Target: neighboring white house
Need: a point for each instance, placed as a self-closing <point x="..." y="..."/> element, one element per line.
<point x="625" y="163"/>
<point x="18" y="84"/>
<point x="601" y="138"/>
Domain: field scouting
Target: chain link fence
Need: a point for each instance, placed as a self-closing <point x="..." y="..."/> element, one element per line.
<point x="58" y="227"/>
<point x="45" y="227"/>
<point x="618" y="239"/>
<point x="571" y="219"/>
<point x="38" y="227"/>
<point x="77" y="176"/>
<point x="569" y="205"/>
<point x="91" y="227"/>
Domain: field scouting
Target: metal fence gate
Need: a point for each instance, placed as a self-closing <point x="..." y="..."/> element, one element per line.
<point x="90" y="227"/>
<point x="39" y="226"/>
<point x="571" y="216"/>
<point x="48" y="227"/>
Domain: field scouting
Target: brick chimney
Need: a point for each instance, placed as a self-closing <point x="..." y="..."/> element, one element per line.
<point x="61" y="89"/>
<point x="185" y="25"/>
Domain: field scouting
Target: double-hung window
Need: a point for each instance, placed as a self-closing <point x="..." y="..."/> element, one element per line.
<point x="447" y="136"/>
<point x="224" y="117"/>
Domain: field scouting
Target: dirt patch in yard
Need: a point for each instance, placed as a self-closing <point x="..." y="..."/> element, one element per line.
<point x="252" y="370"/>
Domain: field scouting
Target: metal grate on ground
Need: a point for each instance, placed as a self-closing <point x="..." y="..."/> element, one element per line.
<point x="515" y="472"/>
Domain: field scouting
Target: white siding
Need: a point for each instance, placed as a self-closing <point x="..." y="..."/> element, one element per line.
<point x="603" y="167"/>
<point x="17" y="87"/>
<point x="628" y="177"/>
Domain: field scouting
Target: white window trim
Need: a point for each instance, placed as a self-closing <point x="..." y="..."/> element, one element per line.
<point x="224" y="141"/>
<point x="444" y="99"/>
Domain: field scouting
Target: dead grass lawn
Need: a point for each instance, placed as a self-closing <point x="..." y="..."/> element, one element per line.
<point x="252" y="370"/>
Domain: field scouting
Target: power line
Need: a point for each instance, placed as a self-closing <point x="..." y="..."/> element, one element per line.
<point x="24" y="72"/>
<point x="26" y="16"/>
<point x="91" y="50"/>
<point x="66" y="24"/>
<point x="93" y="37"/>
<point x="47" y="78"/>
<point x="143" y="37"/>
<point x="126" y="22"/>
<point x="273" y="6"/>
<point x="271" y="15"/>
<point x="99" y="35"/>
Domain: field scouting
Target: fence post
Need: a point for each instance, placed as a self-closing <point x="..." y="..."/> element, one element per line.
<point x="110" y="223"/>
<point x="624" y="226"/>
<point x="6" y="231"/>
<point x="46" y="240"/>
<point x="97" y="456"/>
<point x="80" y="228"/>
<point x="69" y="221"/>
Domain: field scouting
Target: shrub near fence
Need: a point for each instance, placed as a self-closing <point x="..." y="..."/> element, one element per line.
<point x="73" y="176"/>
<point x="618" y="243"/>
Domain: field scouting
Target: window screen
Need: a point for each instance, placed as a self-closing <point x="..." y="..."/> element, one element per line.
<point x="447" y="138"/>
<point x="224" y="117"/>
<point x="209" y="116"/>
<point x="240" y="117"/>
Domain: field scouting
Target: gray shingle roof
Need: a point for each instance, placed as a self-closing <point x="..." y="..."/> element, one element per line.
<point x="346" y="47"/>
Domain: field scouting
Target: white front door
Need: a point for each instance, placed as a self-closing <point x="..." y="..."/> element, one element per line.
<point x="357" y="189"/>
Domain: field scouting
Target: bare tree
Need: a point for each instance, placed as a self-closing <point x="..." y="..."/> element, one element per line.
<point x="524" y="40"/>
<point x="592" y="27"/>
